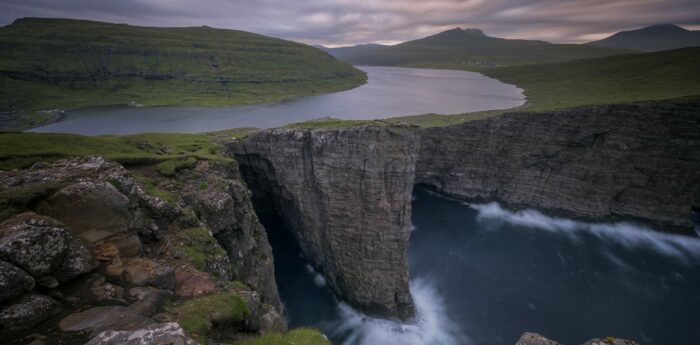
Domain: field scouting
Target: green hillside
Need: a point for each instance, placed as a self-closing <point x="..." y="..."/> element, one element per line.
<point x="67" y="64"/>
<point x="614" y="79"/>
<point x="469" y="49"/>
<point x="652" y="38"/>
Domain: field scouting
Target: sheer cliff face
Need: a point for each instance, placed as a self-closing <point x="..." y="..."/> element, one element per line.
<point x="622" y="161"/>
<point x="346" y="195"/>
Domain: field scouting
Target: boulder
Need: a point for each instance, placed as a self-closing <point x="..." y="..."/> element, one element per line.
<point x="142" y="272"/>
<point x="43" y="246"/>
<point x="107" y="293"/>
<point x="13" y="281"/>
<point x="28" y="311"/>
<point x="99" y="319"/>
<point x="190" y="282"/>
<point x="89" y="206"/>
<point x="149" y="300"/>
<point x="534" y="339"/>
<point x="160" y="333"/>
<point x="610" y="341"/>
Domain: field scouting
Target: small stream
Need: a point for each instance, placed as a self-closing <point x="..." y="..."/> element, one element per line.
<point x="483" y="275"/>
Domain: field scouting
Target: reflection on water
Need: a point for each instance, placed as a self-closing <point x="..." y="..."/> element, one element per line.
<point x="390" y="92"/>
<point x="482" y="275"/>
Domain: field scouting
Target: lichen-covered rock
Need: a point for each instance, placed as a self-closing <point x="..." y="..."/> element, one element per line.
<point x="85" y="206"/>
<point x="149" y="300"/>
<point x="346" y="195"/>
<point x="99" y="319"/>
<point x="13" y="281"/>
<point x="610" y="341"/>
<point x="639" y="161"/>
<point x="27" y="311"/>
<point x="107" y="293"/>
<point x="156" y="334"/>
<point x="44" y="248"/>
<point x="143" y="271"/>
<point x="534" y="339"/>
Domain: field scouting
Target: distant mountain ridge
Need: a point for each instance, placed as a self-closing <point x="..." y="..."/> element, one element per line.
<point x="469" y="49"/>
<point x="652" y="38"/>
<point x="67" y="64"/>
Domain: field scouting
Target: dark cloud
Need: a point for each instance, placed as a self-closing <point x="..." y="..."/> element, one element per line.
<point x="341" y="22"/>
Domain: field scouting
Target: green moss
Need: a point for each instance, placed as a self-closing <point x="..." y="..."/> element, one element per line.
<point x="151" y="186"/>
<point x="171" y="167"/>
<point x="198" y="245"/>
<point x="199" y="315"/>
<point x="299" y="336"/>
<point x="203" y="186"/>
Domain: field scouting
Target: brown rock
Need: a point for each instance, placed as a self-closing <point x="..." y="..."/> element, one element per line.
<point x="129" y="246"/>
<point x="86" y="206"/>
<point x="142" y="271"/>
<point x="98" y="319"/>
<point x="190" y="282"/>
<point x="534" y="339"/>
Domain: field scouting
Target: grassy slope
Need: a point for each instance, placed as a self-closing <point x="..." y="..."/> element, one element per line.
<point x="622" y="78"/>
<point x="652" y="38"/>
<point x="470" y="50"/>
<point x="67" y="64"/>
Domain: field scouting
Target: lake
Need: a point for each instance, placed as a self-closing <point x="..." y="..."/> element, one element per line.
<point x="390" y="92"/>
<point x="482" y="275"/>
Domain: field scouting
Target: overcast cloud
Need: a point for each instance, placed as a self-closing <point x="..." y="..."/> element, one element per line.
<point x="345" y="22"/>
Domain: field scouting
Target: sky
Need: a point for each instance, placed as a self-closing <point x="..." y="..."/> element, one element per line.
<point x="348" y="22"/>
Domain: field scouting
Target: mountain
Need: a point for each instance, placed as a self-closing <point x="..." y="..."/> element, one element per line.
<point x="652" y="38"/>
<point x="468" y="49"/>
<point x="357" y="49"/>
<point x="68" y="64"/>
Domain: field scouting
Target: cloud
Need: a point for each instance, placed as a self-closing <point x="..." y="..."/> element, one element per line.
<point x="343" y="22"/>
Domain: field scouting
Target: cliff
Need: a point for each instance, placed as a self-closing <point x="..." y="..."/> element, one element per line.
<point x="346" y="196"/>
<point x="637" y="161"/>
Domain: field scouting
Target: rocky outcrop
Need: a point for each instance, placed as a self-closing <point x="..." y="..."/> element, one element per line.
<point x="345" y="194"/>
<point x="537" y="339"/>
<point x="637" y="161"/>
<point x="82" y="238"/>
<point x="161" y="333"/>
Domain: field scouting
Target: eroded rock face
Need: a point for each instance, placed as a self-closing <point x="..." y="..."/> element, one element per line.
<point x="223" y="202"/>
<point x="345" y="193"/>
<point x="534" y="339"/>
<point x="638" y="161"/>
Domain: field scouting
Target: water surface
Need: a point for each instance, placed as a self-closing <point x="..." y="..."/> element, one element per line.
<point x="483" y="275"/>
<point x="390" y="92"/>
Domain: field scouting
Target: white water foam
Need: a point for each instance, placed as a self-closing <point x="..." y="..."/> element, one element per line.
<point x="683" y="248"/>
<point x="430" y="326"/>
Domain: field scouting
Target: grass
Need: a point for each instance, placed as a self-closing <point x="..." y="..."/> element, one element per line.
<point x="197" y="245"/>
<point x="175" y="151"/>
<point x="198" y="316"/>
<point x="299" y="336"/>
<point x="614" y="79"/>
<point x="69" y="64"/>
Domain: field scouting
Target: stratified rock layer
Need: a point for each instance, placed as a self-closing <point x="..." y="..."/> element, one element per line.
<point x="346" y="195"/>
<point x="637" y="161"/>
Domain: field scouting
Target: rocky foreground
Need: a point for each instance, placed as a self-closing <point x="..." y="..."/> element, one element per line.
<point x="86" y="253"/>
